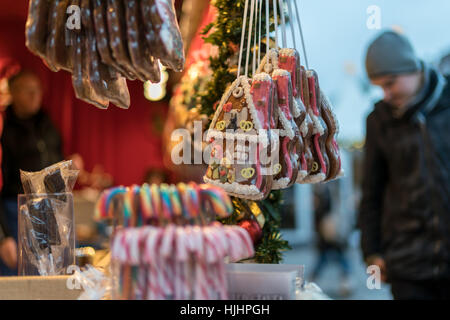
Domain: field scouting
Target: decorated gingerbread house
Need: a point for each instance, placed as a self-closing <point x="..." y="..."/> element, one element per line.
<point x="240" y="139"/>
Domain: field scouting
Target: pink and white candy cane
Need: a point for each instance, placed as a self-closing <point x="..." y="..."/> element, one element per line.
<point x="219" y="239"/>
<point x="132" y="236"/>
<point x="233" y="241"/>
<point x="239" y="242"/>
<point x="155" y="290"/>
<point x="181" y="254"/>
<point x="143" y="270"/>
<point x="201" y="283"/>
<point x="163" y="273"/>
<point x="166" y="252"/>
<point x="246" y="242"/>
<point x="213" y="257"/>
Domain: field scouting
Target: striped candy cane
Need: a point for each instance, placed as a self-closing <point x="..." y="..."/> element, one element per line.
<point x="201" y="283"/>
<point x="155" y="285"/>
<point x="221" y="243"/>
<point x="181" y="254"/>
<point x="167" y="247"/>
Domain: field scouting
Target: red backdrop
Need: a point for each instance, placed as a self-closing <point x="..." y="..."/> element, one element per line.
<point x="125" y="142"/>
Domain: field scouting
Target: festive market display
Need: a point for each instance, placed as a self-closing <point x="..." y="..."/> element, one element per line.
<point x="270" y="126"/>
<point x="103" y="43"/>
<point x="168" y="246"/>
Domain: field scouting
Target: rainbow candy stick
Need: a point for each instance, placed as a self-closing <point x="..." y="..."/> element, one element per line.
<point x="146" y="202"/>
<point x="100" y="207"/>
<point x="111" y="195"/>
<point x="137" y="216"/>
<point x="166" y="204"/>
<point x="175" y="200"/>
<point x="156" y="200"/>
<point x="103" y="204"/>
<point x="181" y="187"/>
<point x="218" y="199"/>
<point x="127" y="207"/>
<point x="194" y="199"/>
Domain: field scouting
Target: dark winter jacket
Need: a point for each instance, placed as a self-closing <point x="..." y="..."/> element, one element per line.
<point x="405" y="209"/>
<point x="30" y="145"/>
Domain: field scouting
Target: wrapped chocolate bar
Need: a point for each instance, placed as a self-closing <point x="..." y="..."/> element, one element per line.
<point x="58" y="178"/>
<point x="46" y="226"/>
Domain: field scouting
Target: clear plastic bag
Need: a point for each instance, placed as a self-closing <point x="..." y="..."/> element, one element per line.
<point x="58" y="178"/>
<point x="46" y="234"/>
<point x="96" y="285"/>
<point x="46" y="223"/>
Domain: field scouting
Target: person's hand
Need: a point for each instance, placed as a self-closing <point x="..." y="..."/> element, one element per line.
<point x="8" y="252"/>
<point x="378" y="261"/>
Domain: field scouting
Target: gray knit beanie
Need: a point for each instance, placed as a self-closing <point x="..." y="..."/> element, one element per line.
<point x="391" y="53"/>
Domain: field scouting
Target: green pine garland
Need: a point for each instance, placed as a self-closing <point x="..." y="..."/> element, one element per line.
<point x="225" y="33"/>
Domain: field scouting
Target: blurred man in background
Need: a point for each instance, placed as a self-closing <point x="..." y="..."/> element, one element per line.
<point x="30" y="142"/>
<point x="405" y="207"/>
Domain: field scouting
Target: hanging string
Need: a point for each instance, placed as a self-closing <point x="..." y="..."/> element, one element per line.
<point x="283" y="23"/>
<point x="249" y="41"/>
<point x="244" y="23"/>
<point x="291" y="22"/>
<point x="254" y="38"/>
<point x="276" y="22"/>
<point x="267" y="28"/>
<point x="259" y="33"/>
<point x="301" y="34"/>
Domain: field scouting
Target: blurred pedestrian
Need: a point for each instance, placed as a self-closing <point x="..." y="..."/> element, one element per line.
<point x="331" y="247"/>
<point x="405" y="208"/>
<point x="30" y="142"/>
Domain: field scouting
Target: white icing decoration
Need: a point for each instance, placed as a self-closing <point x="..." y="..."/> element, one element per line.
<point x="273" y="61"/>
<point x="268" y="68"/>
<point x="234" y="187"/>
<point x="288" y="130"/>
<point x="238" y="92"/>
<point x="262" y="77"/>
<point x="316" y="178"/>
<point x="280" y="183"/>
<point x="296" y="109"/>
<point x="318" y="128"/>
<point x="288" y="52"/>
<point x="304" y="128"/>
<point x="301" y="175"/>
<point x="256" y="138"/>
<point x="281" y="73"/>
